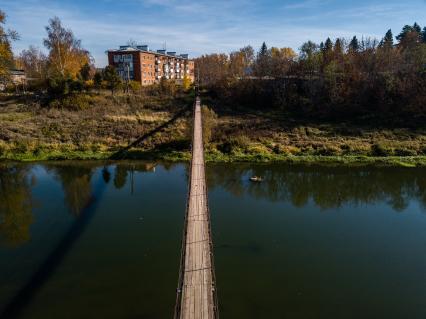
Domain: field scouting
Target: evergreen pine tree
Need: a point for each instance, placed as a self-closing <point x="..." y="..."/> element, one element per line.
<point x="354" y="45"/>
<point x="387" y="41"/>
<point x="410" y="35"/>
<point x="338" y="47"/>
<point x="417" y="28"/>
<point x="112" y="78"/>
<point x="263" y="50"/>
<point x="262" y="63"/>
<point x="405" y="30"/>
<point x="424" y="35"/>
<point x="85" y="72"/>
<point x="97" y="80"/>
<point x="328" y="46"/>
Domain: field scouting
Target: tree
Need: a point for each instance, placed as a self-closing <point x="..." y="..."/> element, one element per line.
<point x="387" y="41"/>
<point x="309" y="57"/>
<point x="354" y="45"/>
<point x="209" y="122"/>
<point x="85" y="72"/>
<point x="338" y="48"/>
<point x="327" y="52"/>
<point x="417" y="28"/>
<point x="263" y="50"/>
<point x="97" y="81"/>
<point x="112" y="78"/>
<point x="328" y="45"/>
<point x="410" y="35"/>
<point x="213" y="68"/>
<point x="241" y="62"/>
<point x="308" y="49"/>
<point x="6" y="55"/>
<point x="186" y="83"/>
<point x="424" y="35"/>
<point x="281" y="60"/>
<point x="248" y="57"/>
<point x="405" y="30"/>
<point x="34" y="62"/>
<point x="262" y="61"/>
<point x="66" y="56"/>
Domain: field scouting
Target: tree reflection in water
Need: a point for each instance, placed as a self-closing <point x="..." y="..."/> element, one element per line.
<point x="15" y="204"/>
<point x="327" y="187"/>
<point x="75" y="180"/>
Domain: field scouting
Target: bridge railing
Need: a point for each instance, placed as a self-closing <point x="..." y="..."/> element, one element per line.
<point x="185" y="224"/>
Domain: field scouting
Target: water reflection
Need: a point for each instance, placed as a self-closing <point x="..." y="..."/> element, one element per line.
<point x="295" y="249"/>
<point x="17" y="180"/>
<point x="120" y="176"/>
<point x="82" y="202"/>
<point x="15" y="204"/>
<point x="327" y="187"/>
<point x="75" y="180"/>
<point x="83" y="185"/>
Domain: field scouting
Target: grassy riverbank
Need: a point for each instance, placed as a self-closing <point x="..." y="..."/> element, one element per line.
<point x="179" y="156"/>
<point x="157" y="127"/>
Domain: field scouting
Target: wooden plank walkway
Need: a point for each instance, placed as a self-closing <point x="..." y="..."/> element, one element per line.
<point x="196" y="297"/>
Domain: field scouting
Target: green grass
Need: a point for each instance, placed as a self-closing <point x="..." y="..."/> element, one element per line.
<point x="408" y="161"/>
<point x="180" y="156"/>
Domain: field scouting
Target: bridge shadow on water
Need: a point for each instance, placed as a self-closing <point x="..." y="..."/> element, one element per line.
<point x="26" y="294"/>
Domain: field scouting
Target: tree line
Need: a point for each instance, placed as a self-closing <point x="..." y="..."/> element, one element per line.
<point x="67" y="69"/>
<point x="341" y="78"/>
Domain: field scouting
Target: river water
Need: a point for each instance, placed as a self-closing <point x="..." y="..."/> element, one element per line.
<point x="94" y="240"/>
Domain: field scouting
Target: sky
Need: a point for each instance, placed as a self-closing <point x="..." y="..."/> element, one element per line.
<point x="201" y="27"/>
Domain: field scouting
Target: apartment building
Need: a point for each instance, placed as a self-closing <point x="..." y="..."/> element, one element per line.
<point x="147" y="67"/>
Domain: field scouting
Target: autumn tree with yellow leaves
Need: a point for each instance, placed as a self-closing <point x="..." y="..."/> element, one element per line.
<point x="66" y="56"/>
<point x="6" y="55"/>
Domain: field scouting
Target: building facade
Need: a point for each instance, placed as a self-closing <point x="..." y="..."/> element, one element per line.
<point x="149" y="67"/>
<point x="16" y="78"/>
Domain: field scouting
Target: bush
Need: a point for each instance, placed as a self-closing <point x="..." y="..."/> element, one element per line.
<point x="405" y="152"/>
<point x="233" y="144"/>
<point x="209" y="122"/>
<point x="286" y="150"/>
<point x="380" y="150"/>
<point x="327" y="150"/>
<point x="51" y="130"/>
<point x="135" y="86"/>
<point x="74" y="102"/>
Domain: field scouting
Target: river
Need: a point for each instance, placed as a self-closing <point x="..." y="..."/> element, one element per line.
<point x="95" y="240"/>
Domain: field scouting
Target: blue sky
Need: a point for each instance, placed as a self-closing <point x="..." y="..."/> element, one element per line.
<point x="198" y="27"/>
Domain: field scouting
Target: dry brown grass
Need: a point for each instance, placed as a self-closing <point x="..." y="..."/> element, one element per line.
<point x="283" y="137"/>
<point x="109" y="124"/>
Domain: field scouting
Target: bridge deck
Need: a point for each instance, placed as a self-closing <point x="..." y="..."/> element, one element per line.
<point x="197" y="287"/>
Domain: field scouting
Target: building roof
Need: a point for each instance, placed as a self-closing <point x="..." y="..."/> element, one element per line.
<point x="169" y="54"/>
<point x="16" y="72"/>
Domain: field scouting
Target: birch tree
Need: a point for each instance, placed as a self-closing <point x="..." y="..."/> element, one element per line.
<point x="66" y="56"/>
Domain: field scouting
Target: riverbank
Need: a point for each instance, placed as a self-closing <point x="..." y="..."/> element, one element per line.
<point x="157" y="127"/>
<point x="184" y="156"/>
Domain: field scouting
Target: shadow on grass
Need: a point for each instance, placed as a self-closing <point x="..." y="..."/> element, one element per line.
<point x="125" y="152"/>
